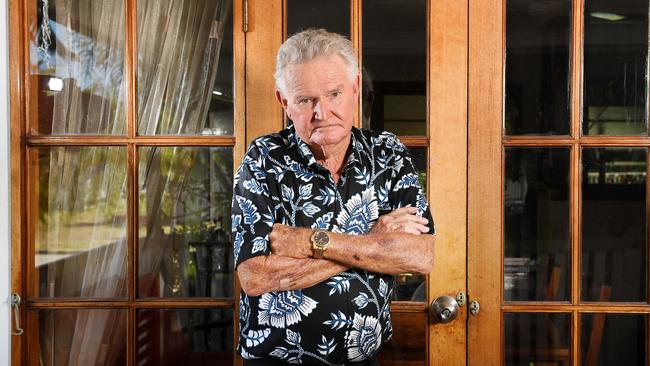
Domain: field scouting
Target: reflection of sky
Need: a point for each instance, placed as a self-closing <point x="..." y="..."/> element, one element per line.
<point x="94" y="67"/>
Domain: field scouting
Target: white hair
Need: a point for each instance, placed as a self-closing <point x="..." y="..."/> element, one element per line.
<point x="310" y="44"/>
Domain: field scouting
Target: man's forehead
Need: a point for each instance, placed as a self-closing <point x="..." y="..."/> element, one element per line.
<point x="316" y="73"/>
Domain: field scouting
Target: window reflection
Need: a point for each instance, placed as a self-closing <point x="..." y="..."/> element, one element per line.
<point x="185" y="196"/>
<point x="537" y="339"/>
<point x="538" y="35"/>
<point x="614" y="224"/>
<point x="80" y="235"/>
<point x="408" y="344"/>
<point x="536" y="258"/>
<point x="80" y="337"/>
<point x="614" y="339"/>
<point x="332" y="15"/>
<point x="77" y="67"/>
<point x="185" y="337"/>
<point x="615" y="67"/>
<point x="182" y="48"/>
<point x="394" y="47"/>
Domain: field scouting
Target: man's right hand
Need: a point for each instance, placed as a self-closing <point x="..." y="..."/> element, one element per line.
<point x="401" y="220"/>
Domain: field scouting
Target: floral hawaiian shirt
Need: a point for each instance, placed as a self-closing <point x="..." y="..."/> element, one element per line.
<point x="347" y="317"/>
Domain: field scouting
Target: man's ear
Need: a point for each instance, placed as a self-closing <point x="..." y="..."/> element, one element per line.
<point x="280" y="99"/>
<point x="356" y="84"/>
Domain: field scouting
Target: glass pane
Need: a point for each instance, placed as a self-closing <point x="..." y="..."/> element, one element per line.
<point x="183" y="87"/>
<point x="76" y="71"/>
<point x="538" y="39"/>
<point x="79" y="197"/>
<point x="614" y="224"/>
<point x="333" y="15"/>
<point x="408" y="345"/>
<point x="537" y="339"/>
<point x="175" y="337"/>
<point x="615" y="67"/>
<point x="411" y="286"/>
<point x="80" y="337"/>
<point x="185" y="196"/>
<point x="614" y="339"/>
<point x="394" y="66"/>
<point x="537" y="242"/>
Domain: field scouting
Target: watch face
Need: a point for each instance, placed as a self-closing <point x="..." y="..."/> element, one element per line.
<point x="321" y="238"/>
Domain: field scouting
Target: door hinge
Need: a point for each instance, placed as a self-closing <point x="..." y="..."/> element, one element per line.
<point x="15" y="305"/>
<point x="245" y="16"/>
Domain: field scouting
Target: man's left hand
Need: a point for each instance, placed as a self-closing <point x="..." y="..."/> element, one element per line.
<point x="290" y="241"/>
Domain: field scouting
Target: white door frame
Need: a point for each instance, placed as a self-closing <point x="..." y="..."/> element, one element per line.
<point x="5" y="198"/>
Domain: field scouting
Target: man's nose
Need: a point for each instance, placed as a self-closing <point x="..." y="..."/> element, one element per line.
<point x="322" y="110"/>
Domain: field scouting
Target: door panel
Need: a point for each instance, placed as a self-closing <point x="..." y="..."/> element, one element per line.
<point x="557" y="198"/>
<point x="439" y="143"/>
<point x="485" y="111"/>
<point x="87" y="263"/>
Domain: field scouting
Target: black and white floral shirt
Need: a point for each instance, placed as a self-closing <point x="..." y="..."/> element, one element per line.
<point x="347" y="317"/>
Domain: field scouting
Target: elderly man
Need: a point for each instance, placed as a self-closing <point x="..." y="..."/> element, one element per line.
<point x="314" y="253"/>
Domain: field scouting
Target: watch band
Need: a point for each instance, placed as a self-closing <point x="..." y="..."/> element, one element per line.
<point x="318" y="253"/>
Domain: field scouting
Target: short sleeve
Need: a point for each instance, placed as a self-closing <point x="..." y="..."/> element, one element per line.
<point x="252" y="208"/>
<point x="406" y="187"/>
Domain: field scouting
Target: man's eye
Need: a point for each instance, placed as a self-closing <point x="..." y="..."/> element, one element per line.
<point x="304" y="101"/>
<point x="336" y="94"/>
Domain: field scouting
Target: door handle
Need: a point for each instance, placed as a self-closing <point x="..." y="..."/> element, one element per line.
<point x="15" y="304"/>
<point x="445" y="308"/>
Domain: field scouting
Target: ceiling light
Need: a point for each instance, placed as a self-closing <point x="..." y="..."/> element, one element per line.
<point x="607" y="16"/>
<point x="216" y="92"/>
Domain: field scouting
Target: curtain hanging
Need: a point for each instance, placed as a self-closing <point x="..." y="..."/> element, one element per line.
<point x="82" y="44"/>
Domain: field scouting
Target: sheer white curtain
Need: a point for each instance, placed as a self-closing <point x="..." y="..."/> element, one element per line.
<point x="81" y="43"/>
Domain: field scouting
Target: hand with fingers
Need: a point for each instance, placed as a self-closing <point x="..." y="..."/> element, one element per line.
<point x="401" y="220"/>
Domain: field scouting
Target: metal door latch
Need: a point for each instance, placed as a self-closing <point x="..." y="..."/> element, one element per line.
<point x="15" y="304"/>
<point x="461" y="299"/>
<point x="474" y="307"/>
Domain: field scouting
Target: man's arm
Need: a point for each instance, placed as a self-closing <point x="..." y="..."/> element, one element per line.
<point x="280" y="273"/>
<point x="395" y="245"/>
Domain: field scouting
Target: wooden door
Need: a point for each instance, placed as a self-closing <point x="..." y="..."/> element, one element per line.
<point x="127" y="121"/>
<point x="415" y="84"/>
<point x="557" y="192"/>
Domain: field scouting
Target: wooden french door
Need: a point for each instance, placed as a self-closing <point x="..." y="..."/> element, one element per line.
<point x="557" y="185"/>
<point x="414" y="56"/>
<point x="128" y="118"/>
<point x="127" y="123"/>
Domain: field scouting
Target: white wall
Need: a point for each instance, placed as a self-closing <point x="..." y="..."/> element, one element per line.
<point x="5" y="235"/>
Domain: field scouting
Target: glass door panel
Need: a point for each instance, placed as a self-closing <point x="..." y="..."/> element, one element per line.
<point x="536" y="213"/>
<point x="394" y="60"/>
<point x="79" y="198"/>
<point x="615" y="67"/>
<point x="614" y="224"/>
<point x="332" y="15"/>
<point x="79" y="337"/>
<point x="537" y="339"/>
<point x="169" y="337"/>
<point x="538" y="45"/>
<point x="183" y="88"/>
<point x="76" y="70"/>
<point x="408" y="345"/>
<point x="185" y="246"/>
<point x="614" y="339"/>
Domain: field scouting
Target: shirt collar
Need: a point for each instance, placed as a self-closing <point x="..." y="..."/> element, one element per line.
<point x="305" y="152"/>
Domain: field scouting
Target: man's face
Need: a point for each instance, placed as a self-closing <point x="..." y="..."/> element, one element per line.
<point x="320" y="100"/>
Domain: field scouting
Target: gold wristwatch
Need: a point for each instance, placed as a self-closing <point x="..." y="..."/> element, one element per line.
<point x="319" y="242"/>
